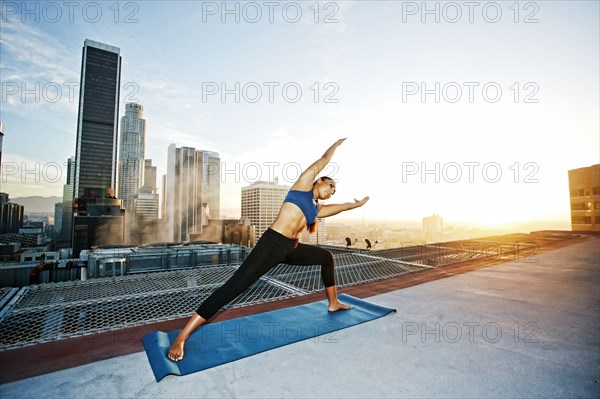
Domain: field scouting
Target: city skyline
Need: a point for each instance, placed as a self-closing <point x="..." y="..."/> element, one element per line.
<point x="382" y="77"/>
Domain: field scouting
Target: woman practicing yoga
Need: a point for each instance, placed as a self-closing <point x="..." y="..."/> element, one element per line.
<point x="279" y="244"/>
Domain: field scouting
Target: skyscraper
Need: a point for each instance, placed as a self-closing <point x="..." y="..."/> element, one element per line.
<point x="58" y="209"/>
<point x="98" y="218"/>
<point x="1" y="138"/>
<point x="163" y="202"/>
<point x="144" y="226"/>
<point x="96" y="149"/>
<point x="131" y="153"/>
<point x="260" y="204"/>
<point x="11" y="215"/>
<point x="192" y="191"/>
<point x="66" y="233"/>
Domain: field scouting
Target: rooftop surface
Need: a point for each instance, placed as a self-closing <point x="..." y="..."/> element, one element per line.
<point x="526" y="327"/>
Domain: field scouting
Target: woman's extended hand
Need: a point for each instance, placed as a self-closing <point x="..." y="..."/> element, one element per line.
<point x="362" y="201"/>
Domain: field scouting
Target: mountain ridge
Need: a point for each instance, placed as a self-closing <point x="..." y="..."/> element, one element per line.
<point x="37" y="203"/>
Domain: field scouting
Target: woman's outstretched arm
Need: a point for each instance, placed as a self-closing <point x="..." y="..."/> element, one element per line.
<point x="334" y="209"/>
<point x="309" y="175"/>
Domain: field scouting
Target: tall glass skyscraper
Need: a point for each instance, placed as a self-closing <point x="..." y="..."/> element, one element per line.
<point x="96" y="150"/>
<point x="131" y="153"/>
<point x="98" y="217"/>
<point x="67" y="204"/>
<point x="192" y="194"/>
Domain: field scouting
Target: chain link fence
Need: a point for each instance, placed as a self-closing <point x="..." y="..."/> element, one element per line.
<point x="47" y="312"/>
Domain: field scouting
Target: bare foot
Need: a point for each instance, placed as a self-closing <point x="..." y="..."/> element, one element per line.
<point x="337" y="305"/>
<point x="176" y="350"/>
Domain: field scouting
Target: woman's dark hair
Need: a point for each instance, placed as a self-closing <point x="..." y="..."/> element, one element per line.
<point x="322" y="178"/>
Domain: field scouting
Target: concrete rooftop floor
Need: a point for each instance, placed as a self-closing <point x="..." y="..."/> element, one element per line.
<point x="525" y="328"/>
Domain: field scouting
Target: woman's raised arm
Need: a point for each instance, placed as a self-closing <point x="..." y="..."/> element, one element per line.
<point x="309" y="175"/>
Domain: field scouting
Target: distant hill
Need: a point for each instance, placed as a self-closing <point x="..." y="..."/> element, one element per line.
<point x="37" y="204"/>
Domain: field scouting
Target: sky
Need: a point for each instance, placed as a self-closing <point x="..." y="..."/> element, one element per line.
<point x="471" y="110"/>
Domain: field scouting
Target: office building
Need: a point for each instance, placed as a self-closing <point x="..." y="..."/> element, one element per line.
<point x="149" y="176"/>
<point x="96" y="149"/>
<point x="33" y="228"/>
<point x="145" y="204"/>
<point x="58" y="209"/>
<point x="163" y="203"/>
<point x="99" y="219"/>
<point x="145" y="227"/>
<point x="192" y="191"/>
<point x="433" y="227"/>
<point x="227" y="231"/>
<point x="131" y="153"/>
<point x="584" y="188"/>
<point x="261" y="202"/>
<point x="97" y="215"/>
<point x="67" y="204"/>
<point x="1" y="139"/>
<point x="11" y="215"/>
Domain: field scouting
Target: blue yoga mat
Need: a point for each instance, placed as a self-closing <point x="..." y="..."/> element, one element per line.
<point x="214" y="344"/>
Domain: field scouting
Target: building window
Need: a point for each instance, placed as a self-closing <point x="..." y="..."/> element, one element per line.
<point x="580" y="206"/>
<point x="581" y="220"/>
<point x="580" y="192"/>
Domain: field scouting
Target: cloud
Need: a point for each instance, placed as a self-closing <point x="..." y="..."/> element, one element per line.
<point x="35" y="70"/>
<point x="40" y="54"/>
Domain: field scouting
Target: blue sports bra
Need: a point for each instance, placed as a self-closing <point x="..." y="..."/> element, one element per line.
<point x="305" y="201"/>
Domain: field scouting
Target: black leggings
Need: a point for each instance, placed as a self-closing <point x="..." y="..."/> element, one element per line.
<point x="271" y="249"/>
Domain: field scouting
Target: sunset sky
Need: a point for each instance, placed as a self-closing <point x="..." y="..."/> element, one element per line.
<point x="475" y="116"/>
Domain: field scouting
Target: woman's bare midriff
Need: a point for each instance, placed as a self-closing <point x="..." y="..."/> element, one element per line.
<point x="290" y="222"/>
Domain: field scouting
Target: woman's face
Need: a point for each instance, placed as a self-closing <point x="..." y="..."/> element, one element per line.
<point x="325" y="188"/>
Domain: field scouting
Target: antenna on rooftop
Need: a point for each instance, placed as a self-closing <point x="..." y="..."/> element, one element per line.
<point x="349" y="242"/>
<point x="369" y="246"/>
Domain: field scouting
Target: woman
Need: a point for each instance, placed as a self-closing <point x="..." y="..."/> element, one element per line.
<point x="279" y="244"/>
